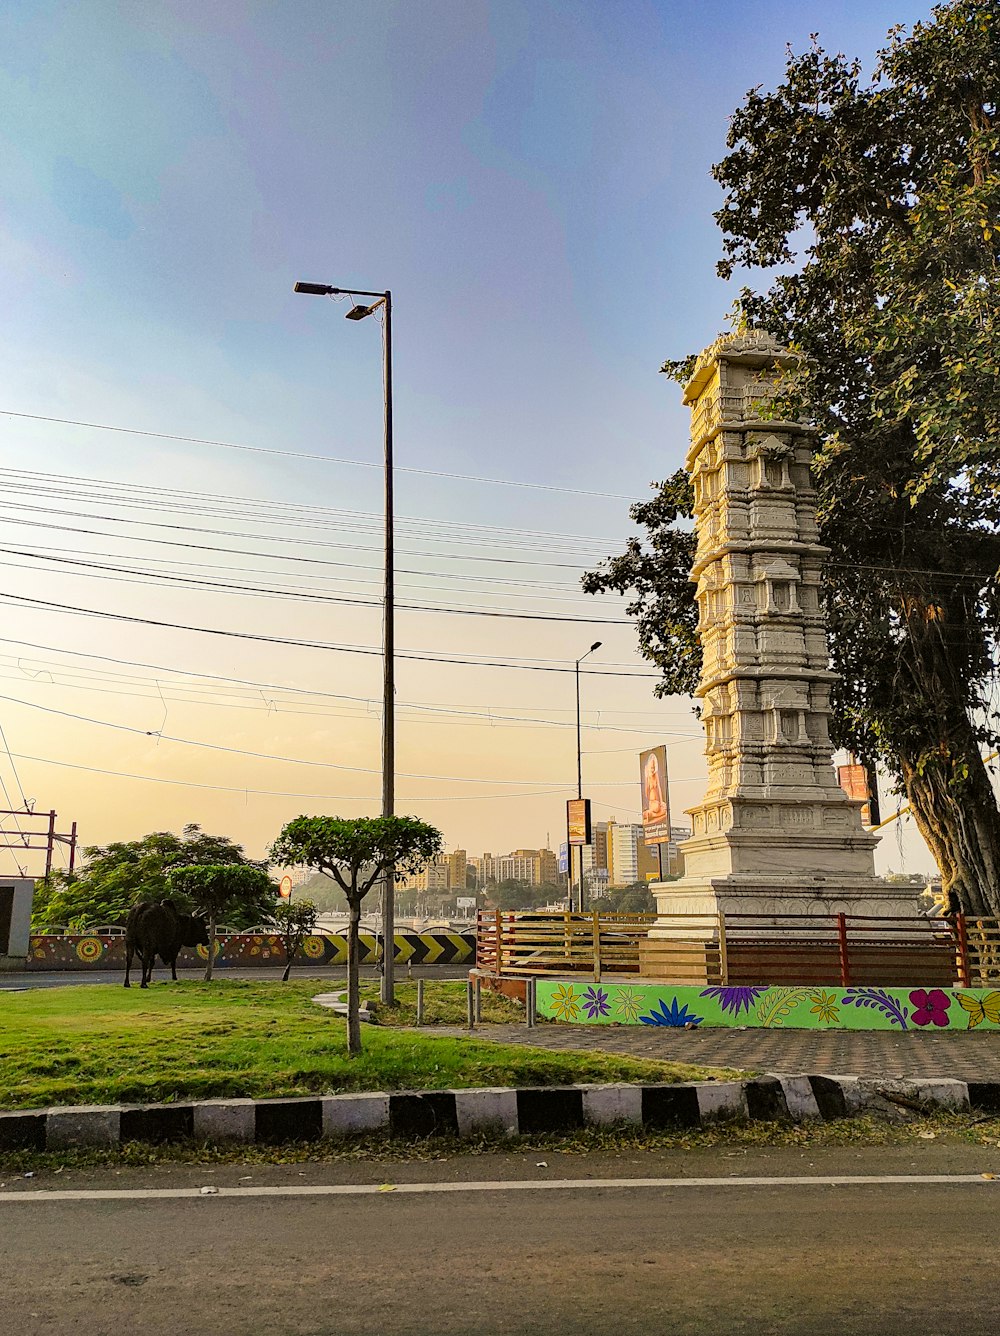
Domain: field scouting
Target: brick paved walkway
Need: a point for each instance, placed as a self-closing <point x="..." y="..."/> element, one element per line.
<point x="964" y="1055"/>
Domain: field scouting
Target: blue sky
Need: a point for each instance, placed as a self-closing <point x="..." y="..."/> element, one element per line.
<point x="533" y="182"/>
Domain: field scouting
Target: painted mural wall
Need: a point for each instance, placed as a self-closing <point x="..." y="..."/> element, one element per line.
<point x="766" y="1007"/>
<point x="100" y="951"/>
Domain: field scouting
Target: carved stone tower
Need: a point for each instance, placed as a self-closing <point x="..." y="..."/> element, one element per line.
<point x="775" y="832"/>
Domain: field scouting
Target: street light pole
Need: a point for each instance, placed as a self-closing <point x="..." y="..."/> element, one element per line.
<point x="384" y="299"/>
<point x="388" y="990"/>
<point x="579" y="763"/>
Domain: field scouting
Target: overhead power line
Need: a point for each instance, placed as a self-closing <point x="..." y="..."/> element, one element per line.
<point x="493" y="715"/>
<point x="237" y="533"/>
<point x="541" y="666"/>
<point x="277" y="793"/>
<point x="287" y="760"/>
<point x="190" y="581"/>
<point x="319" y="459"/>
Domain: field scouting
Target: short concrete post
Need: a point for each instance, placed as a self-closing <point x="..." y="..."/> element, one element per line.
<point x="529" y="1003"/>
<point x="478" y="989"/>
<point x="420" y="1001"/>
<point x="470" y="1004"/>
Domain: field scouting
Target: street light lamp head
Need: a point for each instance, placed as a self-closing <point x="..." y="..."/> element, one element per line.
<point x="358" y="312"/>
<point x="315" y="289"/>
<point x="595" y="645"/>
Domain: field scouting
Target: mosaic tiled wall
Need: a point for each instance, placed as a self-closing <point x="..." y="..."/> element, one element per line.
<point x="763" y="1006"/>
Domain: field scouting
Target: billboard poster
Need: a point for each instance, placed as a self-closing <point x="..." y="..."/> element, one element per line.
<point x="853" y="779"/>
<point x="578" y="821"/>
<point x="655" y="806"/>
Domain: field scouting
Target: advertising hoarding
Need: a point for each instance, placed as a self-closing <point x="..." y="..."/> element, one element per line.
<point x="655" y="802"/>
<point x="578" y="821"/>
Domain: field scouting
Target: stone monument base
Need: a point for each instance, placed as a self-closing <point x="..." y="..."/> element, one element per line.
<point x="738" y="931"/>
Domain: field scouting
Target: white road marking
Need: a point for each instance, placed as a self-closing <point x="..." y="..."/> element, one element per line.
<point x="512" y="1185"/>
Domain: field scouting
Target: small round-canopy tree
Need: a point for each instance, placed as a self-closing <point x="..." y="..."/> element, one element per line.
<point x="217" y="889"/>
<point x="355" y="853"/>
<point x="293" y="923"/>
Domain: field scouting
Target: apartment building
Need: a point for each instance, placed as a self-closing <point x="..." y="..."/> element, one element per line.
<point x="534" y="866"/>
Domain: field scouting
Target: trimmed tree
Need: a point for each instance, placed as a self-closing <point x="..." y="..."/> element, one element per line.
<point x="293" y="923"/>
<point x="355" y="853"/>
<point x="219" y="889"/>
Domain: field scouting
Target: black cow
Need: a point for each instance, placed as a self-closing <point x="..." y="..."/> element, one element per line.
<point x="159" y="930"/>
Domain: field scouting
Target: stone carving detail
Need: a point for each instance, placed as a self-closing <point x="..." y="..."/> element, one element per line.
<point x="774" y="828"/>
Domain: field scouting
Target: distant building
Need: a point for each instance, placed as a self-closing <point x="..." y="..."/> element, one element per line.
<point x="534" y="866"/>
<point x="630" y="859"/>
<point x="458" y="870"/>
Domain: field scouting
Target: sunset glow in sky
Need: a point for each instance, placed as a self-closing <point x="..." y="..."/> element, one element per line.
<point x="532" y="181"/>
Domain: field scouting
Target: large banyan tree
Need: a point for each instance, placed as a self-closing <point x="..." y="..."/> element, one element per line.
<point x="878" y="204"/>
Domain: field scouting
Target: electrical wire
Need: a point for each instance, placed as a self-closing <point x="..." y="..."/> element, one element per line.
<point x="519" y="589"/>
<point x="492" y="715"/>
<point x="131" y="496"/>
<point x="268" y="756"/>
<point x="194" y="582"/>
<point x="321" y="459"/>
<point x="473" y="661"/>
<point x="315" y="542"/>
<point x="276" y="793"/>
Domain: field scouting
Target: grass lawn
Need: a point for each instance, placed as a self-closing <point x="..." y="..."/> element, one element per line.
<point x="98" y="1044"/>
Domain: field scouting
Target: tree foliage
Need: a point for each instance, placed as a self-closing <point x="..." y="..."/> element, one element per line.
<point x="878" y="202"/>
<point x="222" y="890"/>
<point x="512" y="894"/>
<point x="293" y="922"/>
<point x="113" y="877"/>
<point x="356" y="853"/>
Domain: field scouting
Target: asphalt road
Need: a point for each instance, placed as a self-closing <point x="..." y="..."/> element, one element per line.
<point x="454" y="1248"/>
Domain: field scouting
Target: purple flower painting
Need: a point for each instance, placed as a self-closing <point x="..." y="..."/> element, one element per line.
<point x="734" y="999"/>
<point x="595" y="1003"/>
<point x="930" y="1006"/>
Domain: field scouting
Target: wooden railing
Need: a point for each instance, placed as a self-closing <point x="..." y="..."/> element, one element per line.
<point x="847" y="949"/>
<point x="540" y="943"/>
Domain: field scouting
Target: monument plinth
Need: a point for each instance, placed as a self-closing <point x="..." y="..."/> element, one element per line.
<point x="775" y="833"/>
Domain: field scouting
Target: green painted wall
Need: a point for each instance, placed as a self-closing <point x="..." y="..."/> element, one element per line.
<point x="763" y="1007"/>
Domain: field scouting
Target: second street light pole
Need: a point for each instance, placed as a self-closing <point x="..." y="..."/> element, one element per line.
<point x="384" y="299"/>
<point x="579" y="764"/>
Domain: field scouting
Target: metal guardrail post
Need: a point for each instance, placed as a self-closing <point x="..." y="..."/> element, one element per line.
<point x="529" y="1003"/>
<point x="723" y="951"/>
<point x="420" y="1001"/>
<point x="470" y="1005"/>
<point x="477" y="989"/>
<point x="596" y="929"/>
<point x="845" y="959"/>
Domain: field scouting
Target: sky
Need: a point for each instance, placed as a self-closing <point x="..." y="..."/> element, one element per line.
<point x="531" y="179"/>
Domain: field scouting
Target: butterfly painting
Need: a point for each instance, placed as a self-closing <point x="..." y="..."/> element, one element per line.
<point x="986" y="1008"/>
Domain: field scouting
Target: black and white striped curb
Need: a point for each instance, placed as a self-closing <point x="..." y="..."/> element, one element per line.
<point x="467" y="1112"/>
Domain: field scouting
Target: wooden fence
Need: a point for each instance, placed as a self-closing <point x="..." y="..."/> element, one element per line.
<point x="846" y="949"/>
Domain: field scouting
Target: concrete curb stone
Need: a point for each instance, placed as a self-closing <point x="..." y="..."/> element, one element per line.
<point x="486" y="1110"/>
<point x="87" y="1125"/>
<point x="225" y="1120"/>
<point x="787" y="1097"/>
